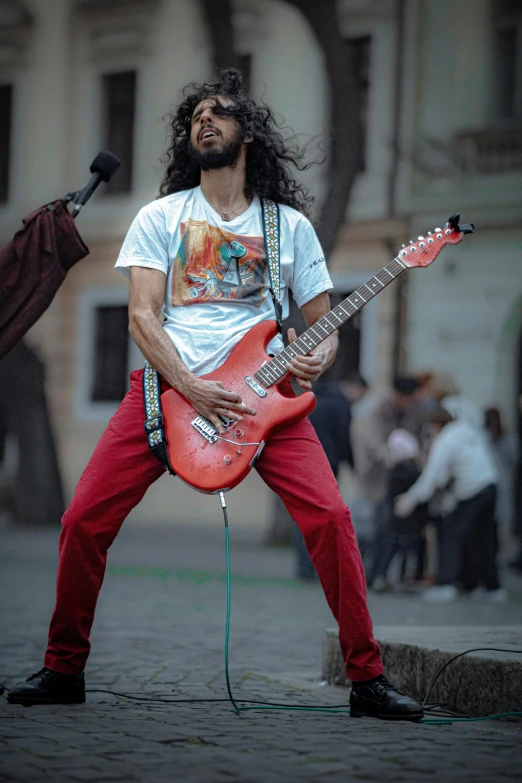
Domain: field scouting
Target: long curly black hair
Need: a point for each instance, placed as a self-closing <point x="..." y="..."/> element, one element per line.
<point x="269" y="156"/>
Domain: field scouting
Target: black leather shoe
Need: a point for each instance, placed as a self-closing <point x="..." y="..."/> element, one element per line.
<point x="48" y="687"/>
<point x="379" y="699"/>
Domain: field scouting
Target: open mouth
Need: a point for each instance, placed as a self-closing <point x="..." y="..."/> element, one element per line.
<point x="207" y="134"/>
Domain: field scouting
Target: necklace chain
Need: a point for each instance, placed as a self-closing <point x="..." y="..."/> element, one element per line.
<point x="226" y="216"/>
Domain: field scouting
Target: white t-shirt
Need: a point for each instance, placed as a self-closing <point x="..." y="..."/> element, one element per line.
<point x="460" y="452"/>
<point x="217" y="273"/>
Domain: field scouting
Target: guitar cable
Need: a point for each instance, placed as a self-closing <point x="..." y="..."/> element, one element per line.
<point x="447" y="718"/>
<point x="440" y="717"/>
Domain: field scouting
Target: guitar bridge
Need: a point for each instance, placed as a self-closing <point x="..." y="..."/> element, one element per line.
<point x="206" y="428"/>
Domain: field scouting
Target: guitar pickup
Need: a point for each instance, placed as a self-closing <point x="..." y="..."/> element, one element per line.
<point x="255" y="386"/>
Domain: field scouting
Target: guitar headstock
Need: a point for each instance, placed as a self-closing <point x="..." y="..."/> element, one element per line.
<point x="426" y="249"/>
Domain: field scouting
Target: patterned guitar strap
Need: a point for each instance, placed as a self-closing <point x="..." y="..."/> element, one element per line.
<point x="154" y="424"/>
<point x="273" y="246"/>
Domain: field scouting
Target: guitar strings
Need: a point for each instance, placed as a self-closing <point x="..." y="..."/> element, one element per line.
<point x="305" y="342"/>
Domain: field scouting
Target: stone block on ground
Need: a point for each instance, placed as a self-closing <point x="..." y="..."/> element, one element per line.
<point x="479" y="683"/>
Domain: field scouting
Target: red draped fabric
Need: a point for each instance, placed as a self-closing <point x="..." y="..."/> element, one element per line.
<point x="32" y="267"/>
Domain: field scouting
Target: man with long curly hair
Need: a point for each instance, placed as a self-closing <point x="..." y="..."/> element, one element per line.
<point x="197" y="256"/>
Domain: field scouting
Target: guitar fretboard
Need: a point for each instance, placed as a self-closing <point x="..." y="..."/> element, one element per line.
<point x="271" y="372"/>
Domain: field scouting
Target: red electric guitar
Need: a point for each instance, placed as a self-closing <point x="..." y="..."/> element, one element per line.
<point x="212" y="462"/>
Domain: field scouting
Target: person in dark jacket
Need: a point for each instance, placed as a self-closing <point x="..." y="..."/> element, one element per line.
<point x="331" y="418"/>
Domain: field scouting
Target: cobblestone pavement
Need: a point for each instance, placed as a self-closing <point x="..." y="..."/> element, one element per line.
<point x="159" y="630"/>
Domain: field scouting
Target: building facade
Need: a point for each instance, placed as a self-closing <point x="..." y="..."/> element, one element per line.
<point x="442" y="86"/>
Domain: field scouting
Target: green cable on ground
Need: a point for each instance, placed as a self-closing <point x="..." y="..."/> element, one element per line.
<point x="227" y="627"/>
<point x="268" y="706"/>
<point x="442" y="721"/>
<point x="238" y="709"/>
<point x="260" y="705"/>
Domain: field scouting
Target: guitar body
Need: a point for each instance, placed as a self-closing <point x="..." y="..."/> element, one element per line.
<point x="220" y="465"/>
<point x="211" y="464"/>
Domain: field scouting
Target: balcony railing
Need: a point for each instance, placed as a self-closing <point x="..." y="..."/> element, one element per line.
<point x="496" y="151"/>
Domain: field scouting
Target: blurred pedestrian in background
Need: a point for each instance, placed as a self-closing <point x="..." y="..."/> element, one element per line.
<point x="505" y="454"/>
<point x="434" y="385"/>
<point x="399" y="409"/>
<point x="516" y="564"/>
<point x="460" y="464"/>
<point x="331" y="419"/>
<point x="399" y="535"/>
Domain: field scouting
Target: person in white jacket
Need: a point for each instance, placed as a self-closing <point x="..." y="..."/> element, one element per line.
<point x="460" y="466"/>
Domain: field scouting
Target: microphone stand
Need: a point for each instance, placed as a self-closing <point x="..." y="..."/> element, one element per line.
<point x="72" y="195"/>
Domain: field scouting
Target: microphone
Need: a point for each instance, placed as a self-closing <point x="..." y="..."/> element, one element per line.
<point x="103" y="167"/>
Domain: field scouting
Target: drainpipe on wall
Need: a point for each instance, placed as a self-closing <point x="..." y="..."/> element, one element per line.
<point x="399" y="348"/>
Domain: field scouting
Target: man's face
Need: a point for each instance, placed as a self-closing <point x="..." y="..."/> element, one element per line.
<point x="215" y="140"/>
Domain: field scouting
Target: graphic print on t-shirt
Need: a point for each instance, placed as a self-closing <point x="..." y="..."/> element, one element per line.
<point x="214" y="264"/>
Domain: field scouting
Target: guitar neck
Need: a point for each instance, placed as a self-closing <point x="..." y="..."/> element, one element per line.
<point x="271" y="372"/>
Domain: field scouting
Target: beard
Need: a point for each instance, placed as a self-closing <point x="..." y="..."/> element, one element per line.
<point x="218" y="158"/>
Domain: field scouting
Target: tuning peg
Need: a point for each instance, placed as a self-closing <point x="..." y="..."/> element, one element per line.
<point x="403" y="245"/>
<point x="420" y="237"/>
<point x="438" y="229"/>
<point x="429" y="233"/>
<point x="411" y="241"/>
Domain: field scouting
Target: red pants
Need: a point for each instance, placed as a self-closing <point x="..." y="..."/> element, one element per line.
<point x="118" y="474"/>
